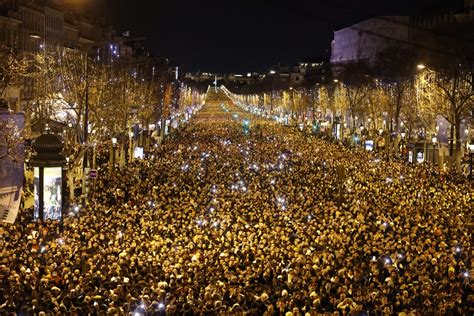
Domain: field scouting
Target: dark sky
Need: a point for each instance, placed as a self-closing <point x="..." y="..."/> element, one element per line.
<point x="242" y="35"/>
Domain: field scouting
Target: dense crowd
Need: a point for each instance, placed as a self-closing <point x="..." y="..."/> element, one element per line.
<point x="271" y="222"/>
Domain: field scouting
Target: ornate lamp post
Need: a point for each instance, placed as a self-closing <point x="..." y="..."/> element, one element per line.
<point x="114" y="144"/>
<point x="49" y="177"/>
<point x="434" y="140"/>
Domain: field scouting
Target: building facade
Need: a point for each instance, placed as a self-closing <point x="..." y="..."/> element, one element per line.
<point x="362" y="42"/>
<point x="9" y="29"/>
<point x="425" y="32"/>
<point x="38" y="26"/>
<point x="29" y="25"/>
<point x="444" y="31"/>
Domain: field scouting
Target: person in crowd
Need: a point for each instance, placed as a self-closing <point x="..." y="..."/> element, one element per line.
<point x="222" y="222"/>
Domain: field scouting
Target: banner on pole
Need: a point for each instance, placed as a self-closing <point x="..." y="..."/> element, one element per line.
<point x="11" y="164"/>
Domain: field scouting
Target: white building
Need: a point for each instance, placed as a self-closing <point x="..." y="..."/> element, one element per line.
<point x="364" y="40"/>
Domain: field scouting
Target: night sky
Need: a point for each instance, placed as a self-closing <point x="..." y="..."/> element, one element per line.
<point x="242" y="35"/>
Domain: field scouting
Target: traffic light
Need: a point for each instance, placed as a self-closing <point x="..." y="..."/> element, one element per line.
<point x="315" y="126"/>
<point x="246" y="125"/>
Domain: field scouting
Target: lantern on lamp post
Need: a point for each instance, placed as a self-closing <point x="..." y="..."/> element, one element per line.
<point x="49" y="174"/>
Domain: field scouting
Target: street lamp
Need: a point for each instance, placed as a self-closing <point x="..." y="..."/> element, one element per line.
<point x="420" y="66"/>
<point x="434" y="140"/>
<point x="130" y="150"/>
<point x="42" y="45"/>
<point x="35" y="36"/>
<point x="114" y="143"/>
<point x="272" y="72"/>
<point x="402" y="134"/>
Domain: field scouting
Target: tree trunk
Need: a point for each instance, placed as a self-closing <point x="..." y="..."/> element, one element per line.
<point x="425" y="151"/>
<point x="451" y="140"/>
<point x="397" y="116"/>
<point x="70" y="182"/>
<point x="353" y="122"/>
<point x="457" y="131"/>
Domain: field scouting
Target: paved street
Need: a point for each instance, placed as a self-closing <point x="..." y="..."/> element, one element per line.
<point x="235" y="213"/>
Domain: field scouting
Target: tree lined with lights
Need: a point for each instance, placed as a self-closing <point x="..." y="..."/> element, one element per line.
<point x="449" y="93"/>
<point x="395" y="70"/>
<point x="93" y="92"/>
<point x="391" y="97"/>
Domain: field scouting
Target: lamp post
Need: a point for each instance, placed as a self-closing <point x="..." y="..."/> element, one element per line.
<point x="402" y="134"/>
<point x="381" y="140"/>
<point x="49" y="175"/>
<point x="434" y="140"/>
<point x="272" y="72"/>
<point x="130" y="150"/>
<point x="114" y="143"/>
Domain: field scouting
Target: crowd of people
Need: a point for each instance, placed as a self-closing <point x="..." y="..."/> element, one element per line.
<point x="219" y="221"/>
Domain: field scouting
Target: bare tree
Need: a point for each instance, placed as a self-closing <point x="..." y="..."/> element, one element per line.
<point x="450" y="93"/>
<point x="11" y="136"/>
<point x="354" y="87"/>
<point x="395" y="69"/>
<point x="13" y="68"/>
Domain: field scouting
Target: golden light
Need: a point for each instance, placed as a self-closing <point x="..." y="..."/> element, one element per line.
<point x="420" y="66"/>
